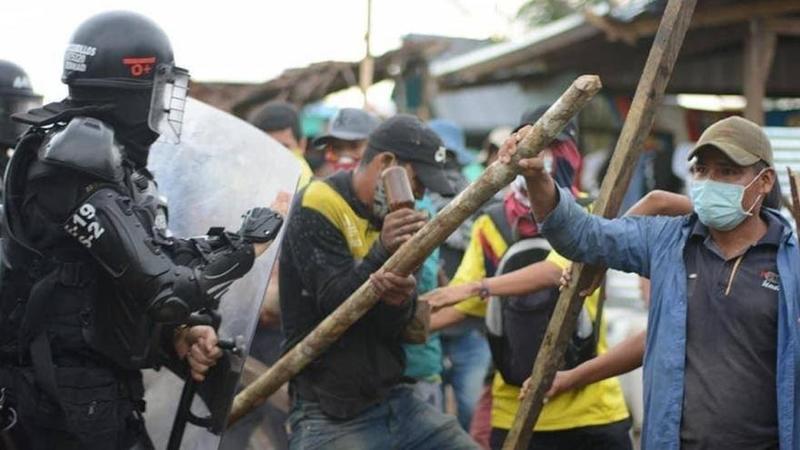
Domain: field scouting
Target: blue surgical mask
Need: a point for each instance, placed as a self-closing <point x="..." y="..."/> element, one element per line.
<point x="719" y="205"/>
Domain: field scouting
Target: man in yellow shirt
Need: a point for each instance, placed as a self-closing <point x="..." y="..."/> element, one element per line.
<point x="594" y="417"/>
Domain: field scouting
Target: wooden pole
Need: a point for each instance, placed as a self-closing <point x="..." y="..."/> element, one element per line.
<point x="759" y="51"/>
<point x="367" y="66"/>
<point x="794" y="180"/>
<point x="414" y="252"/>
<point x="650" y="91"/>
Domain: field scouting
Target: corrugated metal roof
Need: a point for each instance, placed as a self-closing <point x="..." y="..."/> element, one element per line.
<point x="488" y="53"/>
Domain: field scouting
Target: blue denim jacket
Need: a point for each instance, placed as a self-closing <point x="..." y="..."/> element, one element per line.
<point x="653" y="247"/>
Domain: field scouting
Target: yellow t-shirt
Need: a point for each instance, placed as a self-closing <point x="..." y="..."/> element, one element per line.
<point x="597" y="404"/>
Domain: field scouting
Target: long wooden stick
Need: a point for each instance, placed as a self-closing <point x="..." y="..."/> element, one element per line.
<point x="650" y="91"/>
<point x="413" y="252"/>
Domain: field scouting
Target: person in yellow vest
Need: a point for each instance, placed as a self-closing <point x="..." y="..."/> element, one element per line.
<point x="339" y="235"/>
<point x="594" y="417"/>
<point x="281" y="122"/>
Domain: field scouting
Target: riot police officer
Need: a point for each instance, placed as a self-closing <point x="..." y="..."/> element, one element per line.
<point x="16" y="95"/>
<point x="94" y="287"/>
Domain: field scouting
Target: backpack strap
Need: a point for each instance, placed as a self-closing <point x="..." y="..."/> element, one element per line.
<point x="497" y="213"/>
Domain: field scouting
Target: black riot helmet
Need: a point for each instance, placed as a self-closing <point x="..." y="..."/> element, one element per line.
<point x="124" y="59"/>
<point x="16" y="96"/>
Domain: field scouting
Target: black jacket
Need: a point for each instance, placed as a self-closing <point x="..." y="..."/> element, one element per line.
<point x="330" y="249"/>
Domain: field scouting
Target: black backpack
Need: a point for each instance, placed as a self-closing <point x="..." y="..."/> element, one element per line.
<point x="516" y="325"/>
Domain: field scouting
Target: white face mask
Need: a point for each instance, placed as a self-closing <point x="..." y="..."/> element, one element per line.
<point x="719" y="205"/>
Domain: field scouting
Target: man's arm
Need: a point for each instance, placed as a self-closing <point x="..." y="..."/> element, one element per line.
<point x="661" y="203"/>
<point x="532" y="278"/>
<point x="620" y="359"/>
<point x="106" y="224"/>
<point x="465" y="285"/>
<point x="622" y="244"/>
<point x="446" y="317"/>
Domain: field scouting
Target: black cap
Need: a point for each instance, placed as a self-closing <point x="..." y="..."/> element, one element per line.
<point x="277" y="115"/>
<point x="411" y="141"/>
<point x="530" y="117"/>
<point x="349" y="124"/>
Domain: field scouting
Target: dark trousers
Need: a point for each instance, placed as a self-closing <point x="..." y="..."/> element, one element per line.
<point x="94" y="412"/>
<point x="612" y="436"/>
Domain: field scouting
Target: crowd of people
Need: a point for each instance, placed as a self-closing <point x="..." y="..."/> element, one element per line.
<point x="95" y="288"/>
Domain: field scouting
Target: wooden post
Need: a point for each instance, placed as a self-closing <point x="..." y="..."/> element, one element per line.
<point x="759" y="51"/>
<point x="367" y="66"/>
<point x="794" y="180"/>
<point x="653" y="82"/>
<point x="414" y="252"/>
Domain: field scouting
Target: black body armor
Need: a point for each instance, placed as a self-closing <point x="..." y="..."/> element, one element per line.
<point x="91" y="278"/>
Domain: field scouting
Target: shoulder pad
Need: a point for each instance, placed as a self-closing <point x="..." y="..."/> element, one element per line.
<point x="86" y="145"/>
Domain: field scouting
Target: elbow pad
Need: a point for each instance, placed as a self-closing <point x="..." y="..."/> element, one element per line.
<point x="107" y="225"/>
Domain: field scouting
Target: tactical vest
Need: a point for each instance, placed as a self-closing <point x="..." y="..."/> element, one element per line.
<point x="57" y="303"/>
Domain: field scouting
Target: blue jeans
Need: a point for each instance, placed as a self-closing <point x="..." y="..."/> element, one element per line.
<point x="401" y="421"/>
<point x="469" y="357"/>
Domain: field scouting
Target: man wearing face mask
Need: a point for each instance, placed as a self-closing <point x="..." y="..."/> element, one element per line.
<point x="94" y="286"/>
<point x="722" y="341"/>
<point x="339" y="235"/>
<point x="346" y="139"/>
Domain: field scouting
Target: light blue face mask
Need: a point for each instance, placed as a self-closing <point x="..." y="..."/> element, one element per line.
<point x="719" y="205"/>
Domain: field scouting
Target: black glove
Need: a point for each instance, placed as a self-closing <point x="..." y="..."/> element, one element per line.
<point x="260" y="225"/>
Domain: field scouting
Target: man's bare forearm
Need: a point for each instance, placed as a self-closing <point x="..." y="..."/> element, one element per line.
<point x="620" y="359"/>
<point x="532" y="278"/>
<point x="446" y="317"/>
<point x="661" y="203"/>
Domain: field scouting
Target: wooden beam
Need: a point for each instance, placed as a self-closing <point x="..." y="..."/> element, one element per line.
<point x="784" y="26"/>
<point x="652" y="84"/>
<point x="759" y="51"/>
<point x="723" y="15"/>
<point x="414" y="251"/>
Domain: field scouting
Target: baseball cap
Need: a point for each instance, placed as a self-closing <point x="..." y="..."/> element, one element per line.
<point x="453" y="137"/>
<point x="349" y="124"/>
<point x="741" y="140"/>
<point x="530" y="117"/>
<point x="411" y="141"/>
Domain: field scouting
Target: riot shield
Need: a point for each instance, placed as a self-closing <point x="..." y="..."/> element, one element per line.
<point x="222" y="167"/>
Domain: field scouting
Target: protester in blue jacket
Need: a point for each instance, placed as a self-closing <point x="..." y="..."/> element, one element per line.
<point x="722" y="340"/>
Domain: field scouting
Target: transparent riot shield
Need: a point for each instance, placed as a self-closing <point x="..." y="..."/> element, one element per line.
<point x="221" y="167"/>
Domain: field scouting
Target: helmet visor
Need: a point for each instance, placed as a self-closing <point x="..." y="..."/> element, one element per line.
<point x="170" y="87"/>
<point x="13" y="104"/>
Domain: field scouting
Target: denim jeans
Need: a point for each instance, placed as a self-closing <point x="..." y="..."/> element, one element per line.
<point x="401" y="421"/>
<point x="430" y="392"/>
<point x="469" y="357"/>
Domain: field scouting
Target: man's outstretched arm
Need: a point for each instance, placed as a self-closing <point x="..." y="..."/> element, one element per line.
<point x="622" y="244"/>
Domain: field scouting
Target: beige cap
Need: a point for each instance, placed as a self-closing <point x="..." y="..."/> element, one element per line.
<point x="741" y="140"/>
